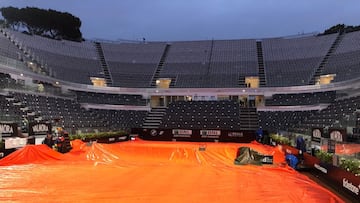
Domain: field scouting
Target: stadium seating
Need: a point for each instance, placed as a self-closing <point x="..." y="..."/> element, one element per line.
<point x="84" y="49"/>
<point x="234" y="57"/>
<point x="330" y="116"/>
<point x="301" y="99"/>
<point x="121" y="119"/>
<point x="208" y="115"/>
<point x="291" y="62"/>
<point x="287" y="61"/>
<point x="275" y="121"/>
<point x="8" y="49"/>
<point x="114" y="99"/>
<point x="133" y="64"/>
<point x="7" y="82"/>
<point x="345" y="62"/>
<point x="192" y="64"/>
<point x="9" y="112"/>
<point x="69" y="114"/>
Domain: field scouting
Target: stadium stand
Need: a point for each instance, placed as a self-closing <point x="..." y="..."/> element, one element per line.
<point x="275" y="121"/>
<point x="69" y="68"/>
<point x="332" y="115"/>
<point x="69" y="114"/>
<point x="186" y="59"/>
<point x="132" y="64"/>
<point x="208" y="115"/>
<point x="287" y="61"/>
<point x="301" y="99"/>
<point x="190" y="64"/>
<point x="291" y="62"/>
<point x="114" y="99"/>
<point x="121" y="119"/>
<point x="7" y="82"/>
<point x="234" y="57"/>
<point x="8" y="49"/>
<point x="65" y="60"/>
<point x="345" y="62"/>
<point x="8" y="111"/>
<point x="84" y="49"/>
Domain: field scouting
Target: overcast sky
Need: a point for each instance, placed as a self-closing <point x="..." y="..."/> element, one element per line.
<point x="170" y="20"/>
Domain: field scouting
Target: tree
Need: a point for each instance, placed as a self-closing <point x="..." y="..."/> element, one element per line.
<point x="340" y="28"/>
<point x="48" y="23"/>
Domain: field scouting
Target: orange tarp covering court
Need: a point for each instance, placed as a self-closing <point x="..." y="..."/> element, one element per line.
<point x="144" y="171"/>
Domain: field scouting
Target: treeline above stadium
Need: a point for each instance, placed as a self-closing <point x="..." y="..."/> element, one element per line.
<point x="342" y="28"/>
<point x="48" y="23"/>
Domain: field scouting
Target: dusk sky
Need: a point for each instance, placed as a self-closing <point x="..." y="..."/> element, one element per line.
<point x="171" y="20"/>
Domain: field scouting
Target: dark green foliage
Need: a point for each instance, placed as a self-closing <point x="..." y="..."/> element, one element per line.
<point x="351" y="164"/>
<point x="47" y="23"/>
<point x="340" y="28"/>
<point x="324" y="156"/>
<point x="98" y="135"/>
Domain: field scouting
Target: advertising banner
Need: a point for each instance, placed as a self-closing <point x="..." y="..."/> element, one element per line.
<point x="316" y="135"/>
<point x="338" y="135"/>
<point x="342" y="179"/>
<point x="39" y="128"/>
<point x="8" y="129"/>
<point x="203" y="135"/>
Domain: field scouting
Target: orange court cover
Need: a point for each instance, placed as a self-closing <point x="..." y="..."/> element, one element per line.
<point x="145" y="171"/>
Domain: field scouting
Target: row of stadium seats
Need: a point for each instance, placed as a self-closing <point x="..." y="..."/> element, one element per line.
<point x="114" y="99"/>
<point x="65" y="112"/>
<point x="333" y="114"/>
<point x="275" y="121"/>
<point x="301" y="99"/>
<point x="288" y="62"/>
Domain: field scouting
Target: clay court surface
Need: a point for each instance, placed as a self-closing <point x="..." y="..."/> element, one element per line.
<point x="145" y="171"/>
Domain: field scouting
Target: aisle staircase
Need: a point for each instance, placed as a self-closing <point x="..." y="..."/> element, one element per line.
<point x="318" y="72"/>
<point x="249" y="119"/>
<point x="104" y="64"/>
<point x="241" y="81"/>
<point x="154" y="117"/>
<point x="261" y="66"/>
<point x="160" y="66"/>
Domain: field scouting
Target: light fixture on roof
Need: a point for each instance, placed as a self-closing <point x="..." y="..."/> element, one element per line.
<point x="21" y="74"/>
<point x="57" y="83"/>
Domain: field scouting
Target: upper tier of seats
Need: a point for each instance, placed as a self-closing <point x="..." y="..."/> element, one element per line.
<point x="345" y="62"/>
<point x="8" y="49"/>
<point x="84" y="49"/>
<point x="132" y="53"/>
<point x="198" y="64"/>
<point x="234" y="57"/>
<point x="290" y="62"/>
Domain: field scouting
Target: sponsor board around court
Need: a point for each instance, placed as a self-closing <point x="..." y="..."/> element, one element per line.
<point x="8" y="129"/>
<point x="345" y="180"/>
<point x="39" y="128"/>
<point x="316" y="135"/>
<point x="195" y="135"/>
